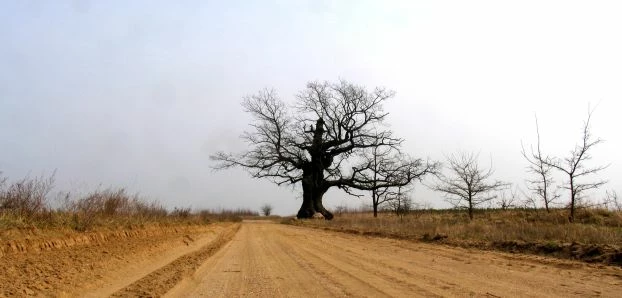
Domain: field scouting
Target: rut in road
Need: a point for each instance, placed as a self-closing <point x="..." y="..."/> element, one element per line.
<point x="272" y="260"/>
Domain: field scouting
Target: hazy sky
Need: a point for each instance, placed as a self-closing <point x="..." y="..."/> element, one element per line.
<point x="140" y="93"/>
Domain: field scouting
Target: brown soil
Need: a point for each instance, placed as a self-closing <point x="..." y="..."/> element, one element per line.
<point x="160" y="281"/>
<point x="96" y="264"/>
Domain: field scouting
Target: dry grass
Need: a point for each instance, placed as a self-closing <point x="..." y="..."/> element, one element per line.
<point x="592" y="226"/>
<point x="25" y="205"/>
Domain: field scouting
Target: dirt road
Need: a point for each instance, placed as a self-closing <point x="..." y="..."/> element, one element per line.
<point x="102" y="266"/>
<point x="272" y="260"/>
<point x="265" y="259"/>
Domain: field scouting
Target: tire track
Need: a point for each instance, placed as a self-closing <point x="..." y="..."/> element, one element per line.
<point x="400" y="271"/>
<point x="162" y="280"/>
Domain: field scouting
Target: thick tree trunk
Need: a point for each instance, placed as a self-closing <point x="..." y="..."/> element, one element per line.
<point x="319" y="207"/>
<point x="313" y="183"/>
<point x="312" y="201"/>
<point x="308" y="208"/>
<point x="374" y="199"/>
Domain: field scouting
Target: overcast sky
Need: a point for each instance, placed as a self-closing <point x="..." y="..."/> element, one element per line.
<point x="138" y="94"/>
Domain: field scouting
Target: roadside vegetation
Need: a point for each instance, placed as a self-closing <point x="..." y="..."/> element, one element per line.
<point x="28" y="204"/>
<point x="594" y="236"/>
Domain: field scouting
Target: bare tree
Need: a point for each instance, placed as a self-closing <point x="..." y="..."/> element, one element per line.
<point x="383" y="164"/>
<point x="266" y="209"/>
<point x="611" y="201"/>
<point x="574" y="167"/>
<point x="285" y="147"/>
<point x="540" y="166"/>
<point x="467" y="184"/>
<point x="528" y="201"/>
<point x="509" y="198"/>
<point x="401" y="203"/>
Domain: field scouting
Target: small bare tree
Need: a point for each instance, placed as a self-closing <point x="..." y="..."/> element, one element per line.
<point x="509" y="198"/>
<point x="611" y="201"/>
<point x="401" y="203"/>
<point x="540" y="166"/>
<point x="467" y="184"/>
<point x="266" y="209"/>
<point x="574" y="167"/>
<point x="384" y="164"/>
<point x="529" y="201"/>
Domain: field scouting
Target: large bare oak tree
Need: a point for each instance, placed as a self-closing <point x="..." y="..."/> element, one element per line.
<point x="318" y="141"/>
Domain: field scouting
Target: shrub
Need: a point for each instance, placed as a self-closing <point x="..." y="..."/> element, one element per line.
<point x="181" y="212"/>
<point x="27" y="197"/>
<point x="266" y="209"/>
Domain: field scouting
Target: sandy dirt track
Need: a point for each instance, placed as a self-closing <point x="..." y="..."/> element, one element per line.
<point x="272" y="260"/>
<point x="100" y="269"/>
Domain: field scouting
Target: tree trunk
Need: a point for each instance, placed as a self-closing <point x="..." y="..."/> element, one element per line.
<point x="312" y="200"/>
<point x="546" y="198"/>
<point x="307" y="210"/>
<point x="546" y="206"/>
<point x="319" y="207"/>
<point x="313" y="182"/>
<point x="572" y="200"/>
<point x="374" y="201"/>
<point x="470" y="208"/>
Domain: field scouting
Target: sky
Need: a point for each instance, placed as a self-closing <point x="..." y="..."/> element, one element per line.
<point x="139" y="94"/>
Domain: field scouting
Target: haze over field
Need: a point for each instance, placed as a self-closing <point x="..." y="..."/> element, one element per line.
<point x="139" y="93"/>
